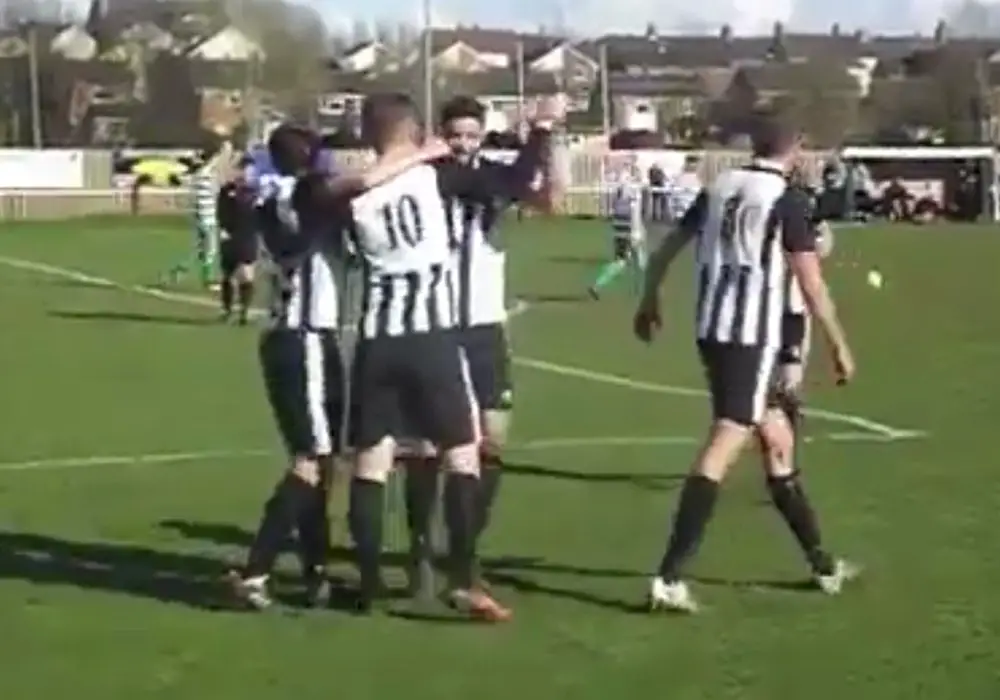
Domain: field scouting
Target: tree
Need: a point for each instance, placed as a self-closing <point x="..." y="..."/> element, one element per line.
<point x="296" y="47"/>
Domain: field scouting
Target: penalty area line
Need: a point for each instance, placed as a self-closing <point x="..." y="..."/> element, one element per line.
<point x="540" y="444"/>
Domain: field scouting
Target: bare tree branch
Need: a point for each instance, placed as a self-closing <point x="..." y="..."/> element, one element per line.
<point x="296" y="45"/>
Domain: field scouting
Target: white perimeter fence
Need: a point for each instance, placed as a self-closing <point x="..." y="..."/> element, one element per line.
<point x="584" y="173"/>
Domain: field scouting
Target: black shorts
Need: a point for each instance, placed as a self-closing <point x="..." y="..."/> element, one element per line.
<point x="237" y="251"/>
<point x="488" y="354"/>
<point x="793" y="339"/>
<point x="304" y="379"/>
<point x="412" y="385"/>
<point x="741" y="380"/>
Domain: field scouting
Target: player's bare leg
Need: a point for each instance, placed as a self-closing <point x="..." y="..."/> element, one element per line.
<point x="366" y="517"/>
<point x="294" y="502"/>
<point x="778" y="452"/>
<point x="462" y="507"/>
<point x="726" y="440"/>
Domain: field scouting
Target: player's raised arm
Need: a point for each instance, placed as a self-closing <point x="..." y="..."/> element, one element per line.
<point x="799" y="243"/>
<point x="521" y="180"/>
<point x="352" y="184"/>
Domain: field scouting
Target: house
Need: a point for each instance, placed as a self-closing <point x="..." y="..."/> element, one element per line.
<point x="74" y="43"/>
<point x="87" y="102"/>
<point x="772" y="82"/>
<point x="363" y="57"/>
<point x="469" y="49"/>
<point x="224" y="91"/>
<point x="650" y="99"/>
<point x="228" y="44"/>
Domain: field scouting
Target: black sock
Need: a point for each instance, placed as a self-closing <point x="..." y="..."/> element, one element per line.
<point x="491" y="469"/>
<point x="291" y="497"/>
<point x="421" y="487"/>
<point x="791" y="501"/>
<point x="693" y="513"/>
<point x="226" y="294"/>
<point x="245" y="292"/>
<point x="367" y="502"/>
<point x="461" y="501"/>
<point x="314" y="532"/>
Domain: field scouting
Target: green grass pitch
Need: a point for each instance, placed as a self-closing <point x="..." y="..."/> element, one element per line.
<point x="107" y="558"/>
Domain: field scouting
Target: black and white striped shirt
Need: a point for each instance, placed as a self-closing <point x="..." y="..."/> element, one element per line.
<point x="308" y="265"/>
<point x="480" y="255"/>
<point x="410" y="233"/>
<point x="746" y="221"/>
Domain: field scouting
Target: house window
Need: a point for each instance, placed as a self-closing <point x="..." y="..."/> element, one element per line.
<point x="107" y="96"/>
<point x="110" y="130"/>
<point x="332" y="105"/>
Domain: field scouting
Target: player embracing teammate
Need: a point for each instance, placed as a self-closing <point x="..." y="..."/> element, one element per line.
<point x="406" y="220"/>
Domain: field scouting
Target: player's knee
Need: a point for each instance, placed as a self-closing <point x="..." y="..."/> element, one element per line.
<point x="725" y="442"/>
<point x="463" y="459"/>
<point x="375" y="463"/>
<point x="307" y="469"/>
<point x="777" y="443"/>
<point x="496" y="427"/>
<point x="244" y="273"/>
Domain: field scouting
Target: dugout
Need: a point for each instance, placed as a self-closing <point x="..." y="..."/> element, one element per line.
<point x="941" y="173"/>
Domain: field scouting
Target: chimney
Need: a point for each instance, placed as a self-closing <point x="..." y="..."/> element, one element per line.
<point x="651" y="32"/>
<point x="726" y="33"/>
<point x="779" y="30"/>
<point x="835" y="29"/>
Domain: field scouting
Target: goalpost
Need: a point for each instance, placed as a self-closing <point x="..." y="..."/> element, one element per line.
<point x="933" y="170"/>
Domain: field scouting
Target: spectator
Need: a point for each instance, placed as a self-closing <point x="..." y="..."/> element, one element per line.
<point x="657" y="193"/>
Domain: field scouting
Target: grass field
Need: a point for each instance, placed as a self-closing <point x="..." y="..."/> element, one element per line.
<point x="109" y="560"/>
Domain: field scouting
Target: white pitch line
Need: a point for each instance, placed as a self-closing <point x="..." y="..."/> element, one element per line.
<point x="541" y="444"/>
<point x="886" y="431"/>
<point x="128" y="460"/>
<point x="859" y="422"/>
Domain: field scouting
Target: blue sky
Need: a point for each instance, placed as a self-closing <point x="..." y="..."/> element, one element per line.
<point x="746" y="16"/>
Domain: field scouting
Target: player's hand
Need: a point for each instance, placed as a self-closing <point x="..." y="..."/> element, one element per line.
<point x="647" y="321"/>
<point x="843" y="364"/>
<point x="434" y="148"/>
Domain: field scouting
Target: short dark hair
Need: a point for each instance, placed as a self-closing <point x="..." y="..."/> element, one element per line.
<point x="292" y="148"/>
<point x="773" y="136"/>
<point x="381" y="115"/>
<point x="463" y="107"/>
